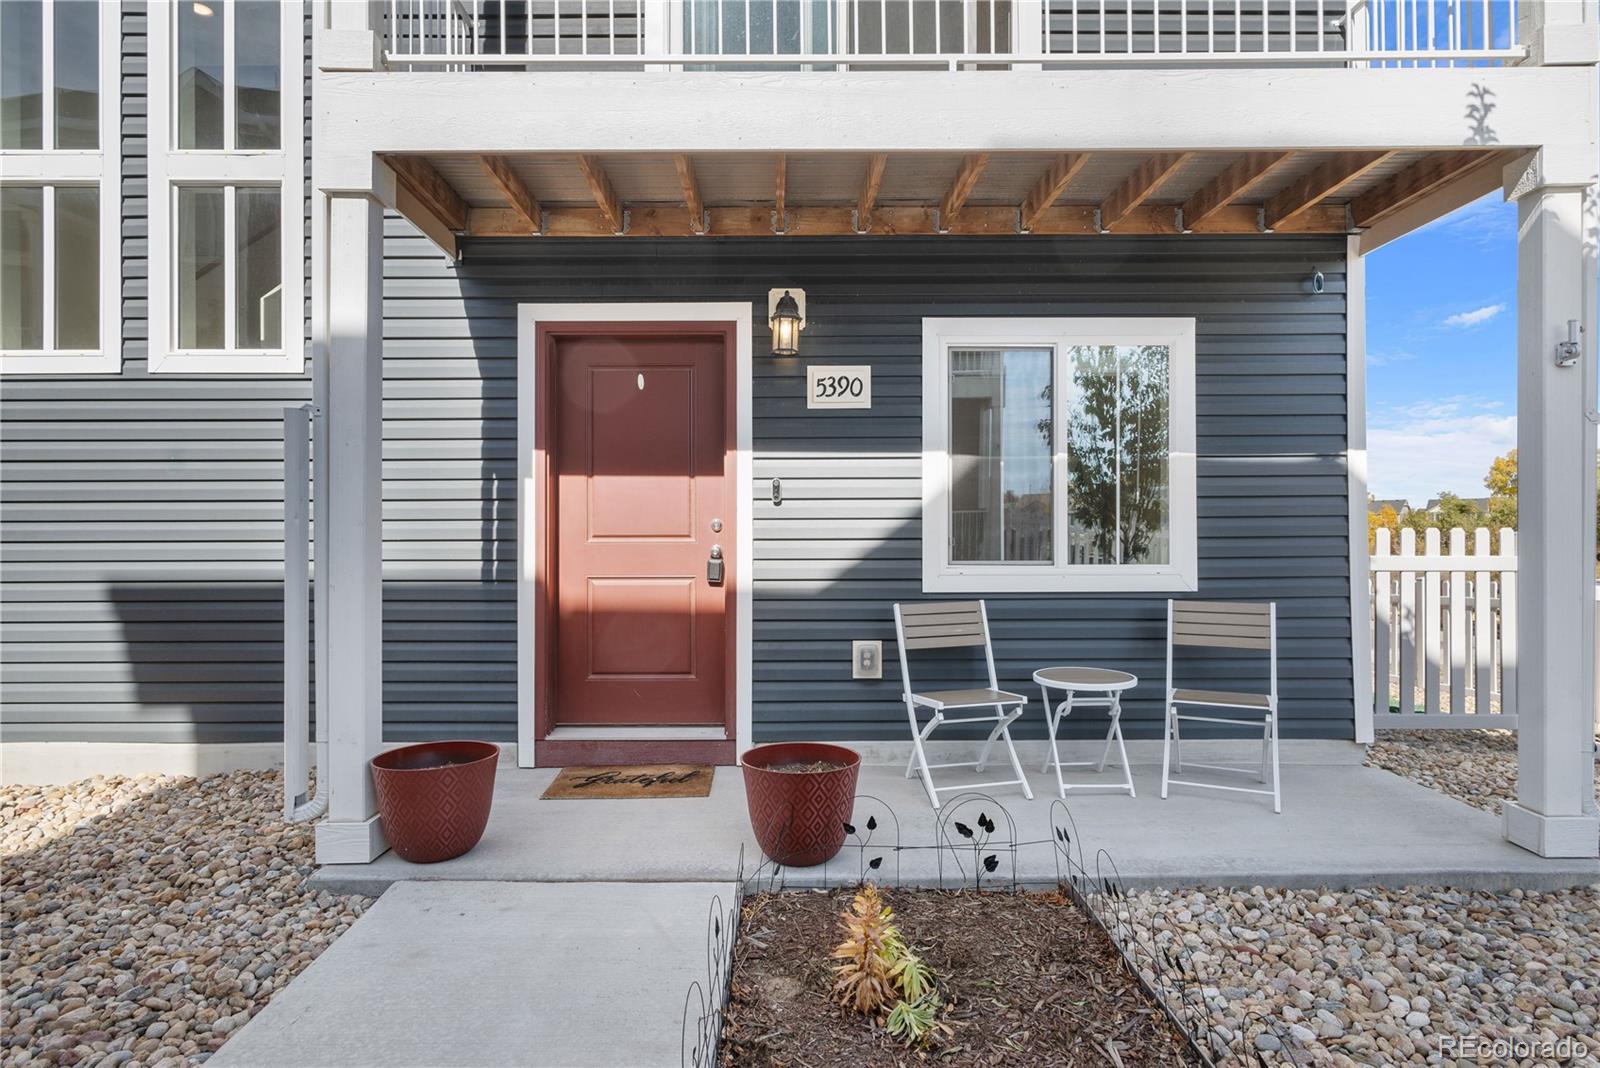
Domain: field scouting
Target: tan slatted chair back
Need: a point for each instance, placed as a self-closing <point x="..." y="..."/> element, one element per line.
<point x="1222" y="624"/>
<point x="947" y="625"/>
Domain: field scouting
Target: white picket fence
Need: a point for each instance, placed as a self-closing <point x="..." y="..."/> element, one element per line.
<point x="1444" y="631"/>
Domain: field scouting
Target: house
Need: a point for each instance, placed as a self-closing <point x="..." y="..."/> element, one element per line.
<point x="1399" y="505"/>
<point x="1079" y="292"/>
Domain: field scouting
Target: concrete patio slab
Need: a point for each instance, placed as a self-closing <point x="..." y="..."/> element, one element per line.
<point x="1342" y="826"/>
<point x="493" y="974"/>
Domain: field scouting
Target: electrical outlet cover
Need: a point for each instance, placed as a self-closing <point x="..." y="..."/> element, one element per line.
<point x="866" y="660"/>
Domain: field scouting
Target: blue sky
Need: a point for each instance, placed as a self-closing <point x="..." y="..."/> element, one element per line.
<point x="1442" y="353"/>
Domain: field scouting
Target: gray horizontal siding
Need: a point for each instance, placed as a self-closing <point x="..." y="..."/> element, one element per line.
<point x="140" y="557"/>
<point x="142" y="575"/>
<point x="845" y="542"/>
<point x="140" y="539"/>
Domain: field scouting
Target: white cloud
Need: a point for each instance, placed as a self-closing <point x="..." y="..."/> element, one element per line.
<point x="1488" y="222"/>
<point x="1444" y="443"/>
<point x="1475" y="317"/>
<point x="1383" y="359"/>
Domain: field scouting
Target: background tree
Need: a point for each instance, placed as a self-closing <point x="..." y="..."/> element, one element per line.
<point x="1501" y="482"/>
<point x="1385" y="518"/>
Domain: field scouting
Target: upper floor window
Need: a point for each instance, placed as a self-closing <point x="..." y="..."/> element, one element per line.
<point x="226" y="170"/>
<point x="229" y="75"/>
<point x="60" y="201"/>
<point x="1058" y="454"/>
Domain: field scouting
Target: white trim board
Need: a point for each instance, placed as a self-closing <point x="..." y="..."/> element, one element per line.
<point x="741" y="315"/>
<point x="53" y="763"/>
<point x="1356" y="464"/>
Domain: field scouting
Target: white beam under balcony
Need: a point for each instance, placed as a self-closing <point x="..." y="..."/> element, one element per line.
<point x="1243" y="110"/>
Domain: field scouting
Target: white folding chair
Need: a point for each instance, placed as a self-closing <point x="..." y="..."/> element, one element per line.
<point x="954" y="625"/>
<point x="1223" y="625"/>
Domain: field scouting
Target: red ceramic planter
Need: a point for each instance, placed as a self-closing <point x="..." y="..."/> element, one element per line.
<point x="434" y="797"/>
<point x="799" y="816"/>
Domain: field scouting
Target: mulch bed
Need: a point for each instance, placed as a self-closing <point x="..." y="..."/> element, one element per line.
<point x="1028" y="978"/>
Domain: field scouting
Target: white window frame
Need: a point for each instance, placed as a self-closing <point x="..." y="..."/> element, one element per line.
<point x="939" y="574"/>
<point x="282" y="168"/>
<point x="101" y="169"/>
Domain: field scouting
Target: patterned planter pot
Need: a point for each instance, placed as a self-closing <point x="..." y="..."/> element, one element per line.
<point x="799" y="816"/>
<point x="434" y="797"/>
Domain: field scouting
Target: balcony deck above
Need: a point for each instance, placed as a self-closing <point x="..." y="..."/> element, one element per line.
<point x="982" y="35"/>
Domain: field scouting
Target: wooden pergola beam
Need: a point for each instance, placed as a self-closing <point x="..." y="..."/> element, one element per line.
<point x="430" y="188"/>
<point x="1138" y="186"/>
<point x="1048" y="189"/>
<point x="1415" y="182"/>
<point x="605" y="197"/>
<point x="691" y="192"/>
<point x="1326" y="179"/>
<point x="961" y="188"/>
<point x="672" y="220"/>
<point x="869" y="190"/>
<point x="780" y="193"/>
<point x="1241" y="175"/>
<point x="498" y="168"/>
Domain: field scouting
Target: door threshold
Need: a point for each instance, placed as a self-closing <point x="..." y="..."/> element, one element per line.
<point x="565" y="746"/>
<point x="638" y="734"/>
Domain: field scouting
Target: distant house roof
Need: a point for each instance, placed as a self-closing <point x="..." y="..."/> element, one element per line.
<point x="1399" y="504"/>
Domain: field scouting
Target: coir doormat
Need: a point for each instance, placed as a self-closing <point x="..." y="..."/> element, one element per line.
<point x="636" y="780"/>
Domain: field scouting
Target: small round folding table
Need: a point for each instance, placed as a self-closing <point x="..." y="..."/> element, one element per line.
<point x="1104" y="689"/>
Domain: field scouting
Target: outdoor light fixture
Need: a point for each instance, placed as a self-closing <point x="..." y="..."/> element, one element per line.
<point x="787" y="316"/>
<point x="203" y="10"/>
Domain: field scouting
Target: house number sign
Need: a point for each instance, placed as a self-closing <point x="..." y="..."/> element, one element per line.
<point x="834" y="386"/>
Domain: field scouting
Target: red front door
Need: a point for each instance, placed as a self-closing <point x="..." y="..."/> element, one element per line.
<point x="639" y="461"/>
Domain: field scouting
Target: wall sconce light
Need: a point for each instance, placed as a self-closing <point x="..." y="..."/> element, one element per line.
<point x="786" y="313"/>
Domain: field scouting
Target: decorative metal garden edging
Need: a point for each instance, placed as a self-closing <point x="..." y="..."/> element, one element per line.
<point x="975" y="844"/>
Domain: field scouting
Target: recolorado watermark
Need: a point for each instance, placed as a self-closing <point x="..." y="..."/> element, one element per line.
<point x="1514" y="1047"/>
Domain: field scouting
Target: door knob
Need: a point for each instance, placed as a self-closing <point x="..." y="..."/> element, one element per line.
<point x="715" y="566"/>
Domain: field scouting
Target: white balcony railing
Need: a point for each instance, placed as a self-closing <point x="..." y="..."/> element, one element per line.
<point x="832" y="35"/>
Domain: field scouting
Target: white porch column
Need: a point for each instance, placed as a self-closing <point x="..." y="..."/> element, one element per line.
<point x="1558" y="32"/>
<point x="1553" y="814"/>
<point x="350" y="527"/>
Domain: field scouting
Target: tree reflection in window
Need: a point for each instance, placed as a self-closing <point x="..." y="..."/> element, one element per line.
<point x="1117" y="445"/>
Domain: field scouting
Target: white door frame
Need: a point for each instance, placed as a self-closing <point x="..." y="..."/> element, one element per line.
<point x="741" y="315"/>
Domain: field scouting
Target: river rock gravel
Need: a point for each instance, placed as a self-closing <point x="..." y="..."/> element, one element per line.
<point x="1379" y="977"/>
<point x="1371" y="977"/>
<point x="145" y="919"/>
<point x="1475" y="766"/>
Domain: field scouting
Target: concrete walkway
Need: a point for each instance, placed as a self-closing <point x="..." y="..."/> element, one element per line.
<point x="571" y="934"/>
<point x="1342" y="826"/>
<point x="494" y="974"/>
